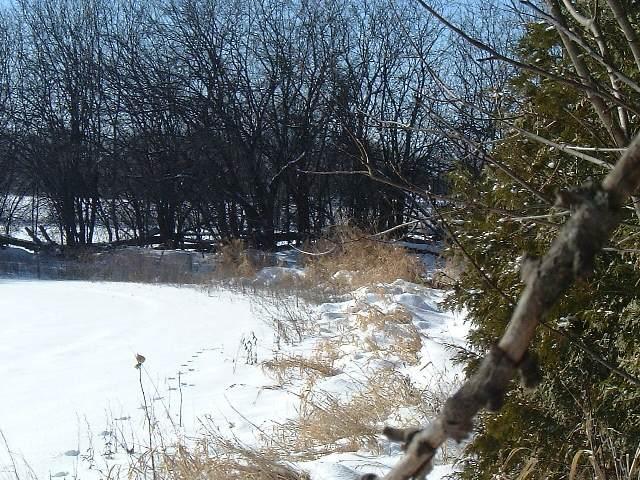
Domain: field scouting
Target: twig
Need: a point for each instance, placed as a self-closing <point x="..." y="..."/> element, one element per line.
<point x="595" y="149"/>
<point x="180" y="390"/>
<point x="13" y="460"/>
<point x="149" y="424"/>
<point x="541" y="217"/>
<point x="287" y="165"/>
<point x="313" y="254"/>
<point x="394" y="228"/>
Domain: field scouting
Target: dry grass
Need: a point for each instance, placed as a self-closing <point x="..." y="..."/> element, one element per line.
<point x="286" y="368"/>
<point x="604" y="459"/>
<point x="352" y="258"/>
<point x="290" y="317"/>
<point x="447" y="276"/>
<point x="219" y="458"/>
<point x="401" y="341"/>
<point x="374" y="318"/>
<point x="605" y="462"/>
<point x="390" y="334"/>
<point x="236" y="261"/>
<point x="328" y="424"/>
<point x="329" y="349"/>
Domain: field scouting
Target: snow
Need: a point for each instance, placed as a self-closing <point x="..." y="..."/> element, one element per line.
<point x="271" y="276"/>
<point x="353" y="466"/>
<point x="70" y="386"/>
<point x="68" y="355"/>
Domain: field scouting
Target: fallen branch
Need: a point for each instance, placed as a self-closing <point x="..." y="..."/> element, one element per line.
<point x="46" y="236"/>
<point x="17" y="242"/>
<point x="596" y="211"/>
<point x="33" y="236"/>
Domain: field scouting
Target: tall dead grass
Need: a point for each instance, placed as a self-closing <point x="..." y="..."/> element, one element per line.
<point x="351" y="259"/>
<point x="390" y="334"/>
<point x="286" y="368"/>
<point x="218" y="458"/>
<point x="328" y="423"/>
<point x="290" y="316"/>
<point x="235" y="260"/>
<point x="448" y="275"/>
<point x="601" y="460"/>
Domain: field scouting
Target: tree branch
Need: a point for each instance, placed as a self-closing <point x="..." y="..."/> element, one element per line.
<point x="588" y="87"/>
<point x="627" y="29"/>
<point x="594" y="96"/>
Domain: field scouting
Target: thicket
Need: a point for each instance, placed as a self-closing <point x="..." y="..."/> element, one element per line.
<point x="174" y="119"/>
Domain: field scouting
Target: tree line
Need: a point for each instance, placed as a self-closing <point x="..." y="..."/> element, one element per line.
<point x="215" y="119"/>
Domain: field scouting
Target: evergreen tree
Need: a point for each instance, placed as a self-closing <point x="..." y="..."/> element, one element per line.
<point x="582" y="404"/>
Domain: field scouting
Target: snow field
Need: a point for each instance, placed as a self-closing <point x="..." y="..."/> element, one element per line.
<point x="72" y="403"/>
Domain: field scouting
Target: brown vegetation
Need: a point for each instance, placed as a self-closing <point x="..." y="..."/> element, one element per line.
<point x="352" y="258"/>
<point x="330" y="424"/>
<point x="218" y="458"/>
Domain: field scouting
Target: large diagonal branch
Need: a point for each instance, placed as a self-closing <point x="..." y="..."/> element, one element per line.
<point x="596" y="212"/>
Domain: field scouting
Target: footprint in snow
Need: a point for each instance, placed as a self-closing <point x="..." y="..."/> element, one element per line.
<point x="71" y="453"/>
<point x="60" y="474"/>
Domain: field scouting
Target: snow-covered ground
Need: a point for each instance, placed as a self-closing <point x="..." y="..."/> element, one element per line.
<point x="71" y="403"/>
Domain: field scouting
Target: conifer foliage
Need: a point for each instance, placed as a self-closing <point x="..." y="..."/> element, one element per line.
<point x="589" y="350"/>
